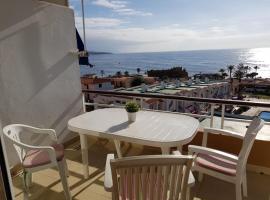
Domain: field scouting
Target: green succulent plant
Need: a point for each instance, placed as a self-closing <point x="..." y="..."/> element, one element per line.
<point x="132" y="107"/>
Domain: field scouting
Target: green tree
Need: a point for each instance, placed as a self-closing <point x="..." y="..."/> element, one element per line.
<point x="223" y="73"/>
<point x="126" y="73"/>
<point x="137" y="80"/>
<point x="239" y="74"/>
<point x="256" y="68"/>
<point x="102" y="73"/>
<point x="247" y="69"/>
<point x="175" y="72"/>
<point x="138" y="70"/>
<point x="230" y="69"/>
<point x="119" y="73"/>
<point x="252" y="75"/>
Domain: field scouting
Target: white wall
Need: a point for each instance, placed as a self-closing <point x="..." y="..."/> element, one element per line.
<point x="39" y="78"/>
<point x="104" y="86"/>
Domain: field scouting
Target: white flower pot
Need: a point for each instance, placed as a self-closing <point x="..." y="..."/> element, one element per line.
<point x="131" y="116"/>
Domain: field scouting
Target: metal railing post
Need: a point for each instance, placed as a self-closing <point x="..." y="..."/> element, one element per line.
<point x="212" y="115"/>
<point x="141" y="102"/>
<point x="83" y="102"/>
<point x="222" y="116"/>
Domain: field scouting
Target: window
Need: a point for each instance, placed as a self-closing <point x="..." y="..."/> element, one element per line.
<point x="100" y="85"/>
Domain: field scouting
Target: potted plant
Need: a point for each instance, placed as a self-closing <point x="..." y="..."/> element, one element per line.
<point x="132" y="107"/>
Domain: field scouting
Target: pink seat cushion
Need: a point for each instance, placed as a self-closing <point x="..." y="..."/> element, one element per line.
<point x="35" y="158"/>
<point x="217" y="164"/>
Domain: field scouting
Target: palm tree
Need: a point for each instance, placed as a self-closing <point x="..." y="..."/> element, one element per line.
<point x="102" y="73"/>
<point x="247" y="69"/>
<point x="239" y="73"/>
<point x="230" y="68"/>
<point x="138" y="70"/>
<point x="126" y="73"/>
<point x="119" y="73"/>
<point x="221" y="70"/>
<point x="223" y="74"/>
<point x="256" y="68"/>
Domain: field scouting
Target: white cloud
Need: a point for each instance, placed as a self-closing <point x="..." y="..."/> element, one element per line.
<point x="96" y="22"/>
<point x="110" y="4"/>
<point x="171" y="38"/>
<point x="129" y="11"/>
<point x="120" y="7"/>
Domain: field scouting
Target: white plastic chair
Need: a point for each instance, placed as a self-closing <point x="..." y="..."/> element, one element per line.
<point x="157" y="177"/>
<point x="222" y="165"/>
<point x="36" y="158"/>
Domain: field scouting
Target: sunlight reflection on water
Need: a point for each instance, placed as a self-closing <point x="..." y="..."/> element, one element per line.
<point x="261" y="58"/>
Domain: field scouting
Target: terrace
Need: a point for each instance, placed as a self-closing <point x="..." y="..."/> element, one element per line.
<point x="44" y="90"/>
<point x="47" y="182"/>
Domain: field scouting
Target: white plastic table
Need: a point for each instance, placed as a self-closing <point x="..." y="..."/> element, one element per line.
<point x="158" y="129"/>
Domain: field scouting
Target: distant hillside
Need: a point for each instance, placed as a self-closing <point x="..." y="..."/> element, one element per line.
<point x="98" y="52"/>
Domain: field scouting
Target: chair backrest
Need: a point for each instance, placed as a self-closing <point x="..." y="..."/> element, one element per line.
<point x="251" y="133"/>
<point x="151" y="177"/>
<point x="13" y="133"/>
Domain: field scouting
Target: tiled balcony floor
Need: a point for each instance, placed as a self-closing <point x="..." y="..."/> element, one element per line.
<point x="47" y="184"/>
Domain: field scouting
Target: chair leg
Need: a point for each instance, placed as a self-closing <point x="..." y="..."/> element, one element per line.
<point x="25" y="195"/>
<point x="62" y="172"/>
<point x="29" y="179"/>
<point x="200" y="178"/>
<point x="188" y="193"/>
<point x="66" y="167"/>
<point x="24" y="179"/>
<point x="238" y="190"/>
<point x="244" y="185"/>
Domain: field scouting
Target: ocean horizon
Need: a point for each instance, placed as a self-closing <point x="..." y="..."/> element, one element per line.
<point x="195" y="61"/>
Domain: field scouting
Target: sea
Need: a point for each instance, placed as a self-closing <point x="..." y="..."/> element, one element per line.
<point x="198" y="61"/>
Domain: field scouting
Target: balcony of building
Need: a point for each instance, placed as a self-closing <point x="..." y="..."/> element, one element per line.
<point x="40" y="86"/>
<point x="47" y="184"/>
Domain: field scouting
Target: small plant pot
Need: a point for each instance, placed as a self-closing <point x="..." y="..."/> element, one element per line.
<point x="131" y="116"/>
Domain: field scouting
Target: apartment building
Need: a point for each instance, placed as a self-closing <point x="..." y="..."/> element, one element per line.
<point x="199" y="89"/>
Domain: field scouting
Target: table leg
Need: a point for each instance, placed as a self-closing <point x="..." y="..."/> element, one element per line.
<point x="165" y="150"/>
<point x="118" y="148"/>
<point x="84" y="149"/>
<point x="180" y="148"/>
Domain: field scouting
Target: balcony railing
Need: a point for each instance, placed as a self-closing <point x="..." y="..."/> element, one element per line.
<point x="211" y="101"/>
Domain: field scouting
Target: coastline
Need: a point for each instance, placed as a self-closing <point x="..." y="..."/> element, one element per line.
<point x="205" y="61"/>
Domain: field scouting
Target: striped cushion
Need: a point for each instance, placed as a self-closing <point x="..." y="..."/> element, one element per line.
<point x="124" y="193"/>
<point x="35" y="158"/>
<point x="217" y="164"/>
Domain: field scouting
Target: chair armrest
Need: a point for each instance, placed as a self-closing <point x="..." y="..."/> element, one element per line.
<point x="50" y="132"/>
<point x="223" y="132"/>
<point x="191" y="179"/>
<point x="192" y="149"/>
<point x="108" y="183"/>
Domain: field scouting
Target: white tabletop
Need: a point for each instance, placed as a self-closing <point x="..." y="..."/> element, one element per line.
<point x="150" y="128"/>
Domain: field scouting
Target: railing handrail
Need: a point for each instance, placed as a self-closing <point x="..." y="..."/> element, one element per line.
<point x="181" y="98"/>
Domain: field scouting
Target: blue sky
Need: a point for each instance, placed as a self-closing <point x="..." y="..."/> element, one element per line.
<point x="173" y="25"/>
